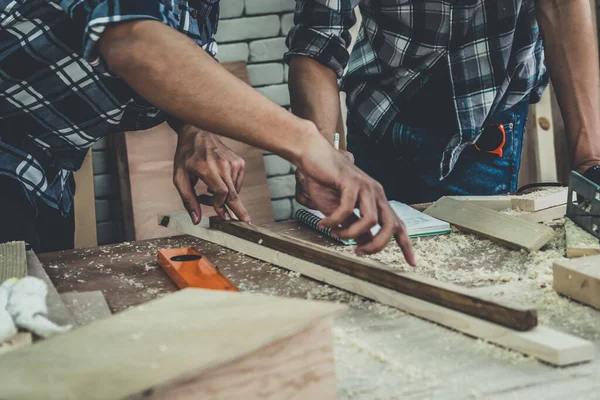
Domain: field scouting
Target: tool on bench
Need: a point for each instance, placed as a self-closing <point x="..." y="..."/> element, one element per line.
<point x="187" y="267"/>
<point x="586" y="213"/>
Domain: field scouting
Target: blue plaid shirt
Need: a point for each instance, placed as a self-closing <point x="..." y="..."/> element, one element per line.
<point x="56" y="95"/>
<point x="493" y="49"/>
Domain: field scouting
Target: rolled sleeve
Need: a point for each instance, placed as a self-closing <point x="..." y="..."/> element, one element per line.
<point x="321" y="32"/>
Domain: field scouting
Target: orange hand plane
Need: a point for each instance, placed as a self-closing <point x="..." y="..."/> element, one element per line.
<point x="187" y="267"/>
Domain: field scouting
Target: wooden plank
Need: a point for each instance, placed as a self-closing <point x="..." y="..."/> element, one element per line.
<point x="85" y="205"/>
<point x="444" y="294"/>
<point x="510" y="231"/>
<point x="13" y="261"/>
<point x="543" y="140"/>
<point x="57" y="311"/>
<point x="579" y="279"/>
<point x="546" y="344"/>
<point x="497" y="203"/>
<point x="549" y="214"/>
<point x="165" y="347"/>
<point x="579" y="242"/>
<point x="540" y="200"/>
<point x="16" y="341"/>
<point x="86" y="307"/>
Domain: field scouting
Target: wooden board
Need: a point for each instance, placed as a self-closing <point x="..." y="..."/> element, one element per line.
<point x="579" y="242"/>
<point x="549" y="214"/>
<point x="497" y="203"/>
<point x="546" y="344"/>
<point x="13" y="261"/>
<point x="510" y="231"/>
<point x="540" y="200"/>
<point x="86" y="307"/>
<point x="57" y="311"/>
<point x="85" y="205"/>
<point x="579" y="279"/>
<point x="145" y="165"/>
<point x="163" y="349"/>
<point x="444" y="294"/>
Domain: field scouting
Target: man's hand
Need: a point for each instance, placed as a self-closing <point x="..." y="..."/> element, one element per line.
<point x="201" y="155"/>
<point x="335" y="187"/>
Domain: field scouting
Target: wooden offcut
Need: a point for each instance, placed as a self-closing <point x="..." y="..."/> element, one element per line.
<point x="498" y="203"/>
<point x="546" y="344"/>
<point x="84" y="203"/>
<point x="193" y="344"/>
<point x="579" y="242"/>
<point x="579" y="279"/>
<point x="13" y="261"/>
<point x="86" y="307"/>
<point x="549" y="214"/>
<point x="541" y="200"/>
<point x="510" y="231"/>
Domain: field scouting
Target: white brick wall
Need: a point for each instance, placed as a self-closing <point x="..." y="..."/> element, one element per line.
<point x="254" y="31"/>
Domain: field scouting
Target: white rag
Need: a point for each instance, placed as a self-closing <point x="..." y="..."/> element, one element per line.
<point x="23" y="305"/>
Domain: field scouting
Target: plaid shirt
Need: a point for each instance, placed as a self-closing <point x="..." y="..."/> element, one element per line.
<point x="56" y="95"/>
<point x="493" y="49"/>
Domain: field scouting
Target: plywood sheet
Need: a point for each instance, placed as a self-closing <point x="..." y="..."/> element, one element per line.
<point x="175" y="337"/>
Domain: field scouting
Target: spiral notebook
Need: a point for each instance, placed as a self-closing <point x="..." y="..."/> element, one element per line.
<point x="417" y="223"/>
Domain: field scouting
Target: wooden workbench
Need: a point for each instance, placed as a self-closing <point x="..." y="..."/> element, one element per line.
<point x="381" y="353"/>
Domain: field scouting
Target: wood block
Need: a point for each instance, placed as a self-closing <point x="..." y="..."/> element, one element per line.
<point x="86" y="307"/>
<point x="579" y="279"/>
<point x="57" y="311"/>
<point x="441" y="293"/>
<point x="15" y="342"/>
<point x="193" y="344"/>
<point x="13" y="261"/>
<point x="510" y="231"/>
<point x="540" y="200"/>
<point x="497" y="203"/>
<point x="579" y="242"/>
<point x="546" y="344"/>
<point x="549" y="214"/>
<point x="85" y="205"/>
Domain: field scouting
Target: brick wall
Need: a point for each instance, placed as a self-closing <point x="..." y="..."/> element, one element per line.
<point x="254" y="31"/>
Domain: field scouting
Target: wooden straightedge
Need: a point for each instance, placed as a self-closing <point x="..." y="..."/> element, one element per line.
<point x="546" y="344"/>
<point x="428" y="289"/>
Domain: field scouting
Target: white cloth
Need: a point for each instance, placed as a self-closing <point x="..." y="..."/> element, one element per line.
<point x="26" y="306"/>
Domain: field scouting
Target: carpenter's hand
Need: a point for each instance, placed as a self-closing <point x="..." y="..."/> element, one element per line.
<point x="331" y="183"/>
<point x="202" y="155"/>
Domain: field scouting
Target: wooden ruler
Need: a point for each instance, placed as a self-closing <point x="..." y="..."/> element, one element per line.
<point x="424" y="288"/>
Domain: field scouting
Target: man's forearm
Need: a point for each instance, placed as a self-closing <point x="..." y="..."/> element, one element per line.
<point x="173" y="73"/>
<point x="315" y="95"/>
<point x="572" y="58"/>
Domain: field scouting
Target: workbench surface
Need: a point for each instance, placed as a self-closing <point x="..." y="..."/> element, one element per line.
<point x="381" y="353"/>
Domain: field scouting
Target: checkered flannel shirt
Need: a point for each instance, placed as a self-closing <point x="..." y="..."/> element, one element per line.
<point x="57" y="97"/>
<point x="493" y="49"/>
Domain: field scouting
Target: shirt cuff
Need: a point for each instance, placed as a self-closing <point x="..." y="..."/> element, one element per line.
<point x="327" y="49"/>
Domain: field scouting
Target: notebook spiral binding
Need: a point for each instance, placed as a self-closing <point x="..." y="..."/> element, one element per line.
<point x="311" y="220"/>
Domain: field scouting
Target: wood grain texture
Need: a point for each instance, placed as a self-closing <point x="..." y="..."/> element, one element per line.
<point x="13" y="260"/>
<point x="85" y="205"/>
<point x="306" y="358"/>
<point x="86" y="307"/>
<point x="509" y="231"/>
<point x="145" y="165"/>
<point x="497" y="203"/>
<point x="578" y="279"/>
<point x="541" y="202"/>
<point x="579" y="242"/>
<point x="57" y="311"/>
<point x="180" y="336"/>
<point x="546" y="344"/>
<point x="428" y="289"/>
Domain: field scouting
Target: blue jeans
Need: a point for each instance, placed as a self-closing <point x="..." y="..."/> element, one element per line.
<point x="407" y="161"/>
